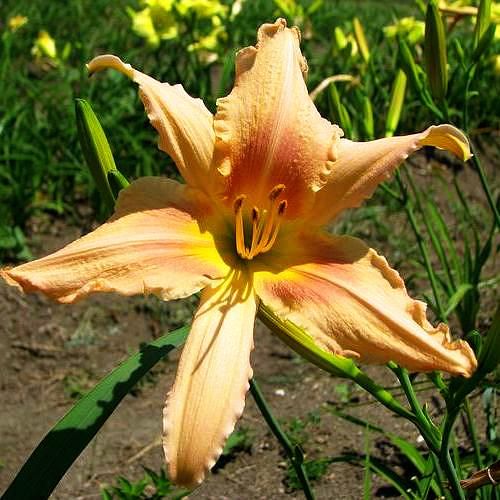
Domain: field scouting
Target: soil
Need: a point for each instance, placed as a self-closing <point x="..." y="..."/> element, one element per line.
<point x="51" y="354"/>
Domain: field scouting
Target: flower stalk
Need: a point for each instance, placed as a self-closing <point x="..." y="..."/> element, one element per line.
<point x="294" y="453"/>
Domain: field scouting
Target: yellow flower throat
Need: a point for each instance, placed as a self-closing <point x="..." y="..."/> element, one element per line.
<point x="265" y="224"/>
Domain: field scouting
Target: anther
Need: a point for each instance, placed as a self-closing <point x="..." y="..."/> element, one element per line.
<point x="238" y="203"/>
<point x="276" y="191"/>
<point x="282" y="207"/>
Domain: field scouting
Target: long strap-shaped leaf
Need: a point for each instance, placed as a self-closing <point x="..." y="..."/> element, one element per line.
<point x="68" y="438"/>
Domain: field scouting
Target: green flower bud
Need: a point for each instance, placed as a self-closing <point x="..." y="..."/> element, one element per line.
<point x="97" y="153"/>
<point x="435" y="52"/>
<point x="482" y="21"/>
<point x="359" y="33"/>
<point x="396" y="104"/>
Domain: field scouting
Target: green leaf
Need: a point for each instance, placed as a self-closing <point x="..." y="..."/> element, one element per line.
<point x="378" y="467"/>
<point x="68" y="438"/>
<point x="406" y="447"/>
<point x="457" y="296"/>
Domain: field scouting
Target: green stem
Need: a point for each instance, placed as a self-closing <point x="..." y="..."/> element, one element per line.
<point x="441" y="477"/>
<point x="428" y="430"/>
<point x="473" y="434"/>
<point x="445" y="457"/>
<point x="486" y="186"/>
<point x="293" y="452"/>
<point x="451" y="474"/>
<point x="465" y="114"/>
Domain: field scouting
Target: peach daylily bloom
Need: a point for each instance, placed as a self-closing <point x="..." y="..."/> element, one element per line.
<point x="263" y="176"/>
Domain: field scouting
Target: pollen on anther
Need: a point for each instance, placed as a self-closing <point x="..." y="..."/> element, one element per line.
<point x="276" y="191"/>
<point x="255" y="214"/>
<point x="282" y="207"/>
<point x="238" y="202"/>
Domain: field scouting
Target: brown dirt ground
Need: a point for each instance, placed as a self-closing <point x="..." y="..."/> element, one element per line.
<point x="48" y="351"/>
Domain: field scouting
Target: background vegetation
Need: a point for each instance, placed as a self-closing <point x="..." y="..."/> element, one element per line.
<point x="447" y="241"/>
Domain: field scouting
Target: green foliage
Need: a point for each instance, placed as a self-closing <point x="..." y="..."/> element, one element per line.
<point x="153" y="486"/>
<point x="69" y="437"/>
<point x="315" y="470"/>
<point x="41" y="163"/>
<point x="450" y="243"/>
<point x="240" y="440"/>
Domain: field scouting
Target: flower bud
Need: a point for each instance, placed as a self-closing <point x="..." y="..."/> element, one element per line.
<point x="396" y="104"/>
<point x="98" y="154"/>
<point x="435" y="52"/>
<point x="341" y="115"/>
<point x="485" y="42"/>
<point x="409" y="65"/>
<point x="482" y="21"/>
<point x="367" y="123"/>
<point x="361" y="39"/>
<point x="489" y="358"/>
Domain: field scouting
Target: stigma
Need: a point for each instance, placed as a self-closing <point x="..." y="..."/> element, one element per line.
<point x="264" y="224"/>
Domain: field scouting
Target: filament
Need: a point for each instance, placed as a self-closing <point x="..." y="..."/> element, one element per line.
<point x="265" y="224"/>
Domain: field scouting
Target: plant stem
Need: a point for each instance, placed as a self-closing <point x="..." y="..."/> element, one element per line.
<point x="428" y="430"/>
<point x="444" y="455"/>
<point x="473" y="434"/>
<point x="293" y="452"/>
<point x="486" y="187"/>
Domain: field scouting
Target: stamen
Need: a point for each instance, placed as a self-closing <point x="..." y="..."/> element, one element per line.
<point x="265" y="224"/>
<point x="240" y="231"/>
<point x="276" y="229"/>
<point x="256" y="231"/>
<point x="282" y="208"/>
<point x="238" y="203"/>
<point x="276" y="191"/>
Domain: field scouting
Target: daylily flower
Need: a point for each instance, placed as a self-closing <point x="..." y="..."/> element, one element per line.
<point x="16" y="22"/>
<point x="408" y="27"/>
<point x="155" y="22"/>
<point x="263" y="176"/>
<point x="44" y="46"/>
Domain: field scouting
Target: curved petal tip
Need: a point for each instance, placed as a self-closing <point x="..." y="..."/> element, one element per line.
<point x="109" y="61"/>
<point x="447" y="137"/>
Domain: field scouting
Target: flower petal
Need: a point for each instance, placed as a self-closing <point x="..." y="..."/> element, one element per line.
<point x="353" y="304"/>
<point x="184" y="124"/>
<point x="362" y="166"/>
<point x="268" y="130"/>
<point x="209" y="391"/>
<point x="155" y="243"/>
